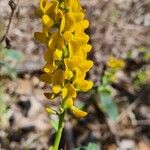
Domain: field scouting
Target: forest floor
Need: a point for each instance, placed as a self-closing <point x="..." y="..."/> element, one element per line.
<point x="117" y="27"/>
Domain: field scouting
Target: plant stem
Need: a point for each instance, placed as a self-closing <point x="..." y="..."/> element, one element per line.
<point x="59" y="131"/>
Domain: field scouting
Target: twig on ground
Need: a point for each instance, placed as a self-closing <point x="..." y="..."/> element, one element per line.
<point x="143" y="122"/>
<point x="13" y="7"/>
<point x="126" y="111"/>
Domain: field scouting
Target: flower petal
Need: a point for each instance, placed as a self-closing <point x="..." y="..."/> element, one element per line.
<point x="45" y="78"/>
<point x="77" y="112"/>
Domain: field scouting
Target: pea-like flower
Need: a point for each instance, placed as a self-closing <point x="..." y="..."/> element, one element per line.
<point x="63" y="26"/>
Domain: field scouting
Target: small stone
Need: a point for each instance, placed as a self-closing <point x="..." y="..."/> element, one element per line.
<point x="24" y="87"/>
<point x="35" y="81"/>
<point x="147" y="20"/>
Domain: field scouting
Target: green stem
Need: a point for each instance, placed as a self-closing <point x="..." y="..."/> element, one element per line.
<point x="59" y="131"/>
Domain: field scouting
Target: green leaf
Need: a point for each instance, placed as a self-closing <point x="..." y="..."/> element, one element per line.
<point x="90" y="146"/>
<point x="7" y="70"/>
<point x="109" y="106"/>
<point x="104" y="89"/>
<point x="54" y="124"/>
<point x="13" y="54"/>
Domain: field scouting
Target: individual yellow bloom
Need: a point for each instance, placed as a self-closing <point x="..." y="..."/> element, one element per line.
<point x="86" y="48"/>
<point x="81" y="26"/>
<point x="73" y="5"/>
<point x="47" y="24"/>
<point x="83" y="85"/>
<point x="69" y="91"/>
<point x="78" y="62"/>
<point x="56" y="41"/>
<point x="68" y="36"/>
<point x="48" y="56"/>
<point x="41" y="37"/>
<point x="56" y="89"/>
<point x="58" y="77"/>
<point x="73" y="62"/>
<point x="68" y="73"/>
<point x="79" y="74"/>
<point x="67" y="23"/>
<point x="115" y="63"/>
<point x="57" y="54"/>
<point x="45" y="78"/>
<point x="47" y="21"/>
<point x="49" y="7"/>
<point x="50" y="111"/>
<point x="50" y="95"/>
<point x="69" y="102"/>
<point x="49" y="68"/>
<point x="77" y="112"/>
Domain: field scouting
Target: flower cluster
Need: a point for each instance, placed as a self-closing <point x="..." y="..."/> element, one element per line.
<point x="114" y="65"/>
<point x="63" y="27"/>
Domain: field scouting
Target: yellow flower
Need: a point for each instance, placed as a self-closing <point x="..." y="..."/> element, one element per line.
<point x="69" y="91"/>
<point x="115" y="63"/>
<point x="63" y="27"/>
<point x="48" y="7"/>
<point x="67" y="23"/>
<point x="58" y="77"/>
<point x="50" y="111"/>
<point x="56" y="41"/>
<point x="73" y="5"/>
<point x="77" y="112"/>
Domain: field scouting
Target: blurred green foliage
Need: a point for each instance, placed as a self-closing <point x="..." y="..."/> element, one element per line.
<point x="3" y="109"/>
<point x="90" y="146"/>
<point x="8" y="60"/>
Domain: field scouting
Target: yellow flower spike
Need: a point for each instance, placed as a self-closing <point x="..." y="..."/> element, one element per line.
<point x="77" y="112"/>
<point x="57" y="54"/>
<point x="50" y="111"/>
<point x="64" y="24"/>
<point x="45" y="78"/>
<point x="82" y="38"/>
<point x="79" y="74"/>
<point x="69" y="91"/>
<point x="81" y="26"/>
<point x="56" y="89"/>
<point x="73" y="63"/>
